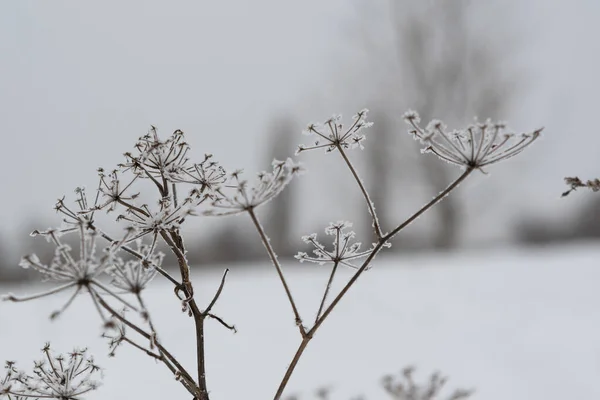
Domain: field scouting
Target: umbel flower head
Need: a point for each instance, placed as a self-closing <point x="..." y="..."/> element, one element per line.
<point x="476" y="147"/>
<point x="158" y="158"/>
<point x="238" y="197"/>
<point x="78" y="273"/>
<point x="343" y="250"/>
<point x="132" y="276"/>
<point x="208" y="174"/>
<point x="62" y="377"/>
<point x="332" y="134"/>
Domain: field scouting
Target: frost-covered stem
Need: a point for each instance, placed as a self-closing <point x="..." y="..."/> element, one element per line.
<point x="433" y="202"/>
<point x="333" y="271"/>
<point x="175" y="242"/>
<point x="148" y="352"/>
<point x="370" y="205"/>
<point x="199" y="321"/>
<point x="275" y="261"/>
<point x="310" y="334"/>
<point x="292" y="367"/>
<point x="188" y="381"/>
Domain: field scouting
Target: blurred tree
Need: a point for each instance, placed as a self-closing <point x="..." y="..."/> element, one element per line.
<point x="439" y="65"/>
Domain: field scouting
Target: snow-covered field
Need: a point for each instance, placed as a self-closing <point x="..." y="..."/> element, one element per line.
<point x="515" y="324"/>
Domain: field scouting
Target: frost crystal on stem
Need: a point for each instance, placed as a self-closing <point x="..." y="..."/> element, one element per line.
<point x="332" y="133"/>
<point x="476" y="147"/>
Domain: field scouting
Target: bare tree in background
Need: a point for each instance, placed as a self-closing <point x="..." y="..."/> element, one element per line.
<point x="440" y="67"/>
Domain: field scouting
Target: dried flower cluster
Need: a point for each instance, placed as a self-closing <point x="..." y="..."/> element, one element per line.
<point x="332" y="134"/>
<point x="477" y="146"/>
<point x="115" y="271"/>
<point x="404" y="387"/>
<point x="62" y="377"/>
<point x="575" y="183"/>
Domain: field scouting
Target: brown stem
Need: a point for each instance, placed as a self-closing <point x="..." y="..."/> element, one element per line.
<point x="365" y="194"/>
<point x="292" y="367"/>
<point x="175" y="242"/>
<point x="327" y="288"/>
<point x="275" y="262"/>
<point x="363" y="267"/>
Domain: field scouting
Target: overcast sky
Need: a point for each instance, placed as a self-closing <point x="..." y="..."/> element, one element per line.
<point x="81" y="81"/>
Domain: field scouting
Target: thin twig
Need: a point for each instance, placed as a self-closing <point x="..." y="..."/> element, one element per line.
<point x="225" y="324"/>
<point x="216" y="297"/>
<point x="365" y="194"/>
<point x="382" y="242"/>
<point x="275" y="261"/>
<point x="329" y="282"/>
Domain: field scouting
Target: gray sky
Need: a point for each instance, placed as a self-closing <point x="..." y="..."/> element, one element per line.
<point x="81" y="81"/>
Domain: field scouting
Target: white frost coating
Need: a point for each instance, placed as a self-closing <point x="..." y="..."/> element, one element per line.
<point x="477" y="146"/>
<point x="332" y="133"/>
<point x="343" y="251"/>
<point x="238" y="196"/>
<point x="54" y="377"/>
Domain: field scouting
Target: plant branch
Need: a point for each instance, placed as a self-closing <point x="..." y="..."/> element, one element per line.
<point x="329" y="282"/>
<point x="216" y="297"/>
<point x="175" y="243"/>
<point x="365" y="194"/>
<point x="358" y="273"/>
<point x="292" y="367"/>
<point x="187" y="377"/>
<point x="275" y="261"/>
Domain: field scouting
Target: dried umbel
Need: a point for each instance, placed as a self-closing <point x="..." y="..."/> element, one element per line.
<point x="343" y="252"/>
<point x="477" y="146"/>
<point x="332" y="135"/>
<point x="62" y="377"/>
<point x="405" y="387"/>
<point x="238" y="197"/>
<point x="79" y="273"/>
<point x="575" y="183"/>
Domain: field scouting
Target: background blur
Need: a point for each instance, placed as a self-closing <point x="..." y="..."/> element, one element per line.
<point x="80" y="82"/>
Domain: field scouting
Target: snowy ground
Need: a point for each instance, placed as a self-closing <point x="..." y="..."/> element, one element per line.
<point x="518" y="325"/>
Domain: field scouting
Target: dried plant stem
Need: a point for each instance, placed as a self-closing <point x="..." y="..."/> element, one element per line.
<point x="275" y="261"/>
<point x="365" y="194"/>
<point x="175" y="243"/>
<point x="292" y="366"/>
<point x="327" y="288"/>
<point x="187" y="381"/>
<point x="363" y="267"/>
